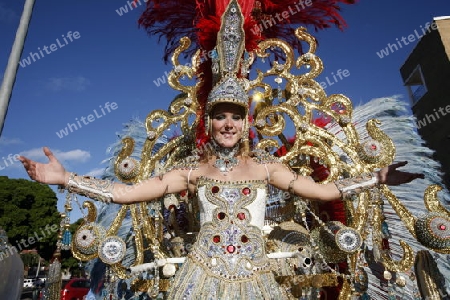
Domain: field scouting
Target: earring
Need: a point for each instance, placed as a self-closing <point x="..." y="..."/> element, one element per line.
<point x="208" y="126"/>
<point x="245" y="137"/>
<point x="245" y="130"/>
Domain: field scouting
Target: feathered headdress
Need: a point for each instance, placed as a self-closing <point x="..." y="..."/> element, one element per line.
<point x="200" y="21"/>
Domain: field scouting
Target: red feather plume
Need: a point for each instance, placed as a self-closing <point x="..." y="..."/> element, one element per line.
<point x="200" y="20"/>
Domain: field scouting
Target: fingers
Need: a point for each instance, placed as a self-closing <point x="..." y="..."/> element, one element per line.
<point x="25" y="161"/>
<point x="414" y="176"/>
<point x="49" y="154"/>
<point x="399" y="164"/>
<point x="22" y="159"/>
<point x="419" y="176"/>
<point x="29" y="166"/>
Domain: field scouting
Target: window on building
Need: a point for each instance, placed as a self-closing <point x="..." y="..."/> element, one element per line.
<point x="416" y="85"/>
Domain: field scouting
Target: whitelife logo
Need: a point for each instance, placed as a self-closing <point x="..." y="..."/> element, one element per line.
<point x="71" y="127"/>
<point x="429" y="118"/>
<point x="405" y="41"/>
<point x="11" y="158"/>
<point x="35" y="56"/>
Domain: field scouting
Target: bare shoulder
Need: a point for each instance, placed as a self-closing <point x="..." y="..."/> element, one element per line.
<point x="180" y="170"/>
<point x="273" y="164"/>
<point x="264" y="157"/>
<point x="187" y="163"/>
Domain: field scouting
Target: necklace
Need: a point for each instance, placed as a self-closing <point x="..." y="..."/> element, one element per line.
<point x="225" y="157"/>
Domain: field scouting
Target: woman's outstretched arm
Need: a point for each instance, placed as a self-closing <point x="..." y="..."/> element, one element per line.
<point x="104" y="190"/>
<point x="285" y="179"/>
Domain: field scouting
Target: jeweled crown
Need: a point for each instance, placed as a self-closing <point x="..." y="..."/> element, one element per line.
<point x="230" y="49"/>
<point x="228" y="90"/>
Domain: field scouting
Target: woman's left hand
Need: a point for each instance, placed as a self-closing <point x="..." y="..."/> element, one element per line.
<point x="391" y="176"/>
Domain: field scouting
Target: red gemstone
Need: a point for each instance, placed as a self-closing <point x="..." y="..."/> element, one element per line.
<point x="215" y="189"/>
<point x="374" y="147"/>
<point x="244" y="239"/>
<point x="221" y="215"/>
<point x="246" y="191"/>
<point x="231" y="249"/>
<point x="216" y="239"/>
<point x="442" y="227"/>
<point x="171" y="207"/>
<point x="183" y="193"/>
<point x="241" y="216"/>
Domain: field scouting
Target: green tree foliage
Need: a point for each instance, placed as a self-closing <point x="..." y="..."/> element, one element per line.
<point x="29" y="215"/>
<point x="30" y="259"/>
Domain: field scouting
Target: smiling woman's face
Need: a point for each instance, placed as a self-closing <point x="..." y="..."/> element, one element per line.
<point x="227" y="123"/>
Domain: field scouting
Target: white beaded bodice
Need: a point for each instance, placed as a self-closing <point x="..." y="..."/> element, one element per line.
<point x="256" y="206"/>
<point x="230" y="242"/>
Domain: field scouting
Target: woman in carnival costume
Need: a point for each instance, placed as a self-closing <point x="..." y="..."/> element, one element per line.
<point x="231" y="186"/>
<point x="230" y="180"/>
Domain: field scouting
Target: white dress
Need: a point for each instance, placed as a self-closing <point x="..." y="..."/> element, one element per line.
<point x="228" y="260"/>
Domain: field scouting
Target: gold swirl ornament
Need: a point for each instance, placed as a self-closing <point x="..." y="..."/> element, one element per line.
<point x="86" y="241"/>
<point x="126" y="168"/>
<point x="88" y="236"/>
<point x="433" y="228"/>
<point x="430" y="281"/>
<point x="433" y="231"/>
<point x="432" y="202"/>
<point x="336" y="241"/>
<point x="407" y="260"/>
<point x="379" y="150"/>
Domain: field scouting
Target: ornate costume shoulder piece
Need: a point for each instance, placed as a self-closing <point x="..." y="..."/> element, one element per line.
<point x="188" y="163"/>
<point x="263" y="157"/>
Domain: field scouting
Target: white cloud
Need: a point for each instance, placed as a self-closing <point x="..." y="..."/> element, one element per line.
<point x="74" y="155"/>
<point x="4" y="141"/>
<point x="97" y="172"/>
<point x="63" y="156"/>
<point x="7" y="15"/>
<point x="76" y="84"/>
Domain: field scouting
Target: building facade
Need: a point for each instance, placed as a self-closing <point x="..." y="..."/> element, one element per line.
<point x="426" y="75"/>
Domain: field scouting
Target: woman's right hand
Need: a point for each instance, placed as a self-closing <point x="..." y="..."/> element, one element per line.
<point x="50" y="173"/>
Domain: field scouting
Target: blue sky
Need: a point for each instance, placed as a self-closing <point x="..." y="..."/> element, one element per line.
<point x="109" y="60"/>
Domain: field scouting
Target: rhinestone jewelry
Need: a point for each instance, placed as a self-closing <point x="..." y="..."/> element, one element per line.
<point x="112" y="250"/>
<point x="226" y="157"/>
<point x="88" y="237"/>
